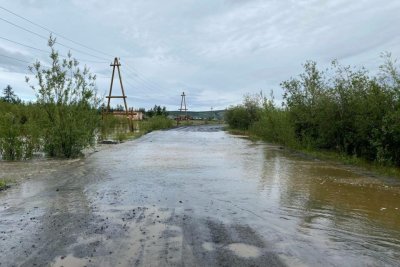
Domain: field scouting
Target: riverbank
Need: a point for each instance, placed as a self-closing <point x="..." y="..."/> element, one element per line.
<point x="372" y="168"/>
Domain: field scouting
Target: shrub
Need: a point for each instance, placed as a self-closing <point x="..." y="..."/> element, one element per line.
<point x="237" y="117"/>
<point x="10" y="141"/>
<point x="67" y="96"/>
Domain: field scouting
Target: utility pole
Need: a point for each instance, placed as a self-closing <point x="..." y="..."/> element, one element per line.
<point x="183" y="105"/>
<point x="116" y="64"/>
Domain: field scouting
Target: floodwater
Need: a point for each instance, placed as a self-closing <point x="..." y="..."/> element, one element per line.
<point x="197" y="196"/>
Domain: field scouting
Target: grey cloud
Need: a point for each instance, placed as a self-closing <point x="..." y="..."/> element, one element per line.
<point x="218" y="50"/>
<point x="8" y="62"/>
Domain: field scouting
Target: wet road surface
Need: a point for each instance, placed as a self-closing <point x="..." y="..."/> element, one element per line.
<point x="197" y="196"/>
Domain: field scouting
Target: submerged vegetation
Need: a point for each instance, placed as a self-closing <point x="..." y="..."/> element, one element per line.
<point x="65" y="117"/>
<point x="120" y="129"/>
<point x="157" y="122"/>
<point x="19" y="131"/>
<point x="3" y="184"/>
<point x="62" y="121"/>
<point x="341" y="109"/>
<point x="67" y="97"/>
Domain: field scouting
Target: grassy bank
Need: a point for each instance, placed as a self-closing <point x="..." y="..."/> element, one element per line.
<point x="341" y="158"/>
<point x="340" y="113"/>
<point x="330" y="156"/>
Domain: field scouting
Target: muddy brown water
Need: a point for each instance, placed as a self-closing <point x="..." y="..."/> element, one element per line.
<point x="197" y="196"/>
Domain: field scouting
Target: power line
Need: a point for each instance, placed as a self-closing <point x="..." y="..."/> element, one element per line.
<point x="145" y="82"/>
<point x="51" y="31"/>
<point x="45" y="51"/>
<point x="31" y="47"/>
<point x="140" y="83"/>
<point x="135" y="72"/>
<point x="138" y="74"/>
<point x="25" y="29"/>
<point x="15" y="59"/>
<point x="45" y="65"/>
<point x="99" y="75"/>
<point x="43" y="37"/>
<point x="139" y="78"/>
<point x="137" y="87"/>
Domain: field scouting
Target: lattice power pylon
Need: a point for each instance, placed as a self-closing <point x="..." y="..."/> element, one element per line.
<point x="116" y="64"/>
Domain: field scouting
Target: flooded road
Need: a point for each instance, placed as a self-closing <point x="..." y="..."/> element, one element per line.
<point x="197" y="196"/>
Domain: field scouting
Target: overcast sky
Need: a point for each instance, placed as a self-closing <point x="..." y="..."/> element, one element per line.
<point x="214" y="50"/>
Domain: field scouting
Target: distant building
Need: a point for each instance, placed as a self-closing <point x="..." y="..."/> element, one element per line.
<point x="132" y="115"/>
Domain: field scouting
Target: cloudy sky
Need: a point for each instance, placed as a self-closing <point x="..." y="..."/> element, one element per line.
<point x="214" y="50"/>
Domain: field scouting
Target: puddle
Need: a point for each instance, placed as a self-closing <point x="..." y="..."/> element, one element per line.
<point x="244" y="250"/>
<point x="69" y="261"/>
<point x="208" y="246"/>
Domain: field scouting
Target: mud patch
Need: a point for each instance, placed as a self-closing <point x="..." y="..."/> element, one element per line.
<point x="132" y="236"/>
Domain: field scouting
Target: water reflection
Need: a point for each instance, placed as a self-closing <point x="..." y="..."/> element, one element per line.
<point x="333" y="203"/>
<point x="307" y="211"/>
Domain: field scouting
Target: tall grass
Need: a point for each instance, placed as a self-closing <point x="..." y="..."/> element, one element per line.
<point x="19" y="133"/>
<point x="120" y="129"/>
<point x="156" y="123"/>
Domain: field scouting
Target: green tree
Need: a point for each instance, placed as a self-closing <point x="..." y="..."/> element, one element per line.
<point x="237" y="117"/>
<point x="303" y="97"/>
<point x="67" y="95"/>
<point x="157" y="111"/>
<point x="9" y="95"/>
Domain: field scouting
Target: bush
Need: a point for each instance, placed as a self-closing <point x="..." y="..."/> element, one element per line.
<point x="349" y="111"/>
<point x="342" y="109"/>
<point x="67" y="96"/>
<point x="10" y="141"/>
<point x="275" y="126"/>
<point x="237" y="117"/>
<point x="19" y="135"/>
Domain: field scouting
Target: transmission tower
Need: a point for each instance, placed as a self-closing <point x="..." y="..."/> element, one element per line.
<point x="116" y="64"/>
<point x="183" y="109"/>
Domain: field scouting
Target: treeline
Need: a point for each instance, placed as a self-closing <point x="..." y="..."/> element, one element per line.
<point x="344" y="109"/>
<point x="156" y="111"/>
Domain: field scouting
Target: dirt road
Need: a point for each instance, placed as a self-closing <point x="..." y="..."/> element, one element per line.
<point x="193" y="196"/>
